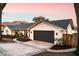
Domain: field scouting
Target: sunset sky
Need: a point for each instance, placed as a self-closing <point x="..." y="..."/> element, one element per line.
<point x="26" y="11"/>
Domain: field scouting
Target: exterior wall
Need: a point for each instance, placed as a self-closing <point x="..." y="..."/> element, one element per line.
<point x="47" y="27"/>
<point x="7" y="31"/>
<point x="69" y="29"/>
<point x="28" y="33"/>
<point x="12" y="32"/>
<point x="74" y="31"/>
<point x="2" y="28"/>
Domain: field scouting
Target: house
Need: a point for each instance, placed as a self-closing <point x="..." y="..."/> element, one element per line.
<point x="49" y="31"/>
<point x="19" y="28"/>
<point x="4" y="24"/>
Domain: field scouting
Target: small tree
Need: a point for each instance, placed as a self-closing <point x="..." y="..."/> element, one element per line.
<point x="35" y="19"/>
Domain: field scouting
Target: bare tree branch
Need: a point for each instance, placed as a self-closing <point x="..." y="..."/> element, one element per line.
<point x="2" y="5"/>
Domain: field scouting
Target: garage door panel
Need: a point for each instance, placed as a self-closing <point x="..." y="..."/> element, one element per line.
<point x="47" y="36"/>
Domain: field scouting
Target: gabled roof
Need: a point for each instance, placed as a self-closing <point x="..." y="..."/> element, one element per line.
<point x="61" y="23"/>
<point x="19" y="26"/>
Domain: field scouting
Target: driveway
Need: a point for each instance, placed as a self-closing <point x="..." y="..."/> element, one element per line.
<point x="18" y="49"/>
<point x="39" y="44"/>
<point x="23" y="48"/>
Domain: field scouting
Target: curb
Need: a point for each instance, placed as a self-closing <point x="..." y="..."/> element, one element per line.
<point x="66" y="50"/>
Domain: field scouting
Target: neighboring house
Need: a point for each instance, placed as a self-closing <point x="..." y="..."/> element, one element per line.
<point x="75" y="29"/>
<point x="4" y="24"/>
<point x="50" y="30"/>
<point x="19" y="28"/>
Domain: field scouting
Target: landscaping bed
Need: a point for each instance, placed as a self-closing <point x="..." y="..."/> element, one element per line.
<point x="60" y="47"/>
<point x="23" y="39"/>
<point x="7" y="41"/>
<point x="8" y="36"/>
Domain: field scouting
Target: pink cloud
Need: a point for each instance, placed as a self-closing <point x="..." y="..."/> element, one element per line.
<point x="37" y="8"/>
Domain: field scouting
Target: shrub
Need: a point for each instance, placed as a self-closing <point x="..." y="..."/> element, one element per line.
<point x="59" y="41"/>
<point x="23" y="39"/>
<point x="60" y="47"/>
<point x="7" y="36"/>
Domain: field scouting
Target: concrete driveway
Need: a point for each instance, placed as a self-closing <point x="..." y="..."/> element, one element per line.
<point x="39" y="44"/>
<point x="18" y="49"/>
<point x="23" y="48"/>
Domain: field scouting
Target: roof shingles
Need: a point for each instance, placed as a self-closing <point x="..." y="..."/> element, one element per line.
<point x="19" y="26"/>
<point x="60" y="23"/>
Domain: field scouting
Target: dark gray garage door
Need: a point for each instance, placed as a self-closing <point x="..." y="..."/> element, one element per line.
<point x="47" y="36"/>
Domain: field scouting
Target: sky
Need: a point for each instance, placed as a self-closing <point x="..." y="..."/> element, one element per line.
<point x="27" y="11"/>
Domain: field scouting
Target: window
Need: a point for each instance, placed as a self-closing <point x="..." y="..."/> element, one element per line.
<point x="6" y="31"/>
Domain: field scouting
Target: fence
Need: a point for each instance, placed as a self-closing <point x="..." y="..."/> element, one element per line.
<point x="70" y="39"/>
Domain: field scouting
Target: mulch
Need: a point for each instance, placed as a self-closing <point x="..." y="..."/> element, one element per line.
<point x="60" y="47"/>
